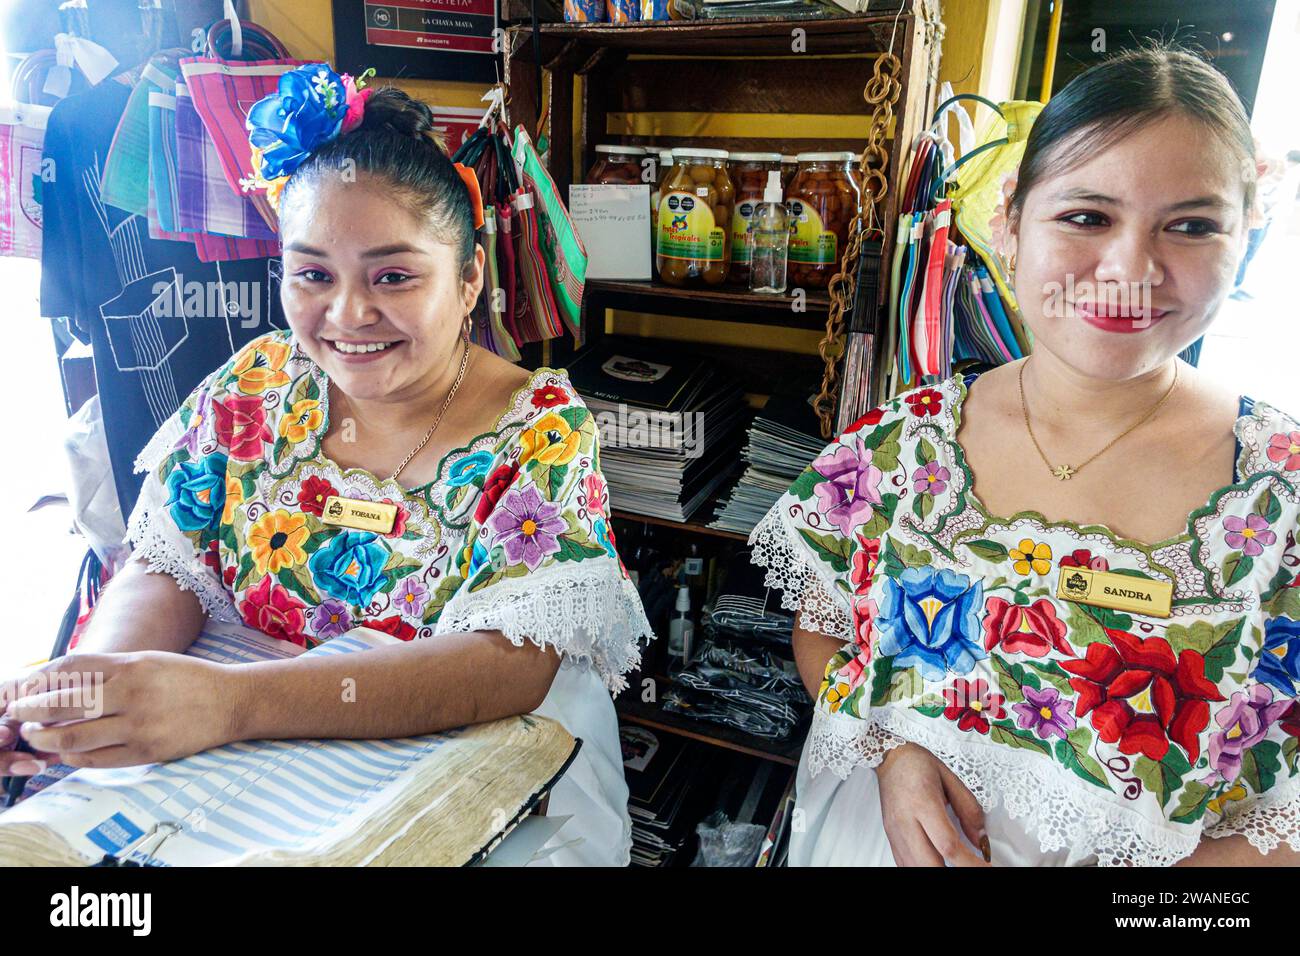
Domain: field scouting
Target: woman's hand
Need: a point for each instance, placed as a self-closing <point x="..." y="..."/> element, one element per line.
<point x="118" y="710"/>
<point x="915" y="792"/>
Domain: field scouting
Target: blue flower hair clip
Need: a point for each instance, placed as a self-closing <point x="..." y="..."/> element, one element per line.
<point x="312" y="106"/>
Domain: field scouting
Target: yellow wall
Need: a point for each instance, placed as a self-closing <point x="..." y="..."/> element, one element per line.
<point x="981" y="46"/>
<point x="306" y="27"/>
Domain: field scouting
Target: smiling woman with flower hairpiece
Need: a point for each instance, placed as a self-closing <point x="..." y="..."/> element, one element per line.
<point x="369" y="467"/>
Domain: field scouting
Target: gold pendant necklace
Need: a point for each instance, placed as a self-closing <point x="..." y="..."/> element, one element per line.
<point x="379" y="516"/>
<point x="1064" y="472"/>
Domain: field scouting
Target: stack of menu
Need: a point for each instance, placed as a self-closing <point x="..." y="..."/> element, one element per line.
<point x="783" y="440"/>
<point x="670" y="427"/>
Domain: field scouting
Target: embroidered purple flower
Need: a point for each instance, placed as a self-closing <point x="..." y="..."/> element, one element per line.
<point x="1249" y="535"/>
<point x="1044" y="712"/>
<point x="852" y="487"/>
<point x="198" y="426"/>
<point x="1244" y="722"/>
<point x="526" y="526"/>
<point x="330" y="619"/>
<point x="930" y="480"/>
<point x="411" y="597"/>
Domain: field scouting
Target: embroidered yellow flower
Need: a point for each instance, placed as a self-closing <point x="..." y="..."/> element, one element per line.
<point x="1236" y="792"/>
<point x="1032" y="557"/>
<point x="551" y="441"/>
<point x="301" y="420"/>
<point x="261" y="367"/>
<point x="836" y="695"/>
<point x="277" y="540"/>
<point x="234" y="498"/>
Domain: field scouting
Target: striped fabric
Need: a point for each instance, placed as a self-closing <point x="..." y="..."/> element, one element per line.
<point x="126" y="169"/>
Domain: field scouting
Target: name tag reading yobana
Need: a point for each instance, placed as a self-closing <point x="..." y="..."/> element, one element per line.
<point x="359" y="515"/>
<point x="1119" y="592"/>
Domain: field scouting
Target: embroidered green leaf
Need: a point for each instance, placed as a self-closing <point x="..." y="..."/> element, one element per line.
<point x="575" y="415"/>
<point x="883" y="435"/>
<point x="890" y="561"/>
<point x="930" y="710"/>
<point x="291" y="582"/>
<point x="880" y="680"/>
<point x="1267" y="506"/>
<point x="1115" y="620"/>
<point x="987" y="550"/>
<point x="924" y="452"/>
<point x="227" y="535"/>
<point x="1192" y="803"/>
<point x="1152" y="776"/>
<point x="316" y="539"/>
<point x="576" y="549"/>
<point x="1291" y="754"/>
<point x="905" y="685"/>
<point x="1260" y="765"/>
<point x="457" y="496"/>
<point x="1010" y="677"/>
<point x="922" y="505"/>
<point x="245" y="571"/>
<point x="1053" y="674"/>
<point x="1200" y="636"/>
<point x="441" y="595"/>
<point x="1084" y="629"/>
<point x="277" y="450"/>
<point x="803" y="486"/>
<point x="914" y="557"/>
<point x="1005" y="733"/>
<point x="1285" y="603"/>
<point x="1220" y="657"/>
<point x="832" y="549"/>
<point x="882" y="517"/>
<point x="1073" y="752"/>
<point x="1236" y="567"/>
<point x="853" y="703"/>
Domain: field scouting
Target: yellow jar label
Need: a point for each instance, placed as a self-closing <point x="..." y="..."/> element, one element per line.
<point x="810" y="243"/>
<point x="742" y="231"/>
<point x="687" y="229"/>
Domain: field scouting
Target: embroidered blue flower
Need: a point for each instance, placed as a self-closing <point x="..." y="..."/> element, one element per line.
<point x="602" y="537"/>
<point x="196" y="493"/>
<point x="930" y="619"/>
<point x="1279" y="661"/>
<point x="350" y="567"/>
<point x="306" y="111"/>
<point x="468" y="468"/>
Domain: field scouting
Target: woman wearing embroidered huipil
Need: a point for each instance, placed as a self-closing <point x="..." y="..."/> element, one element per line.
<point x="973" y="713"/>
<point x="371" y="466"/>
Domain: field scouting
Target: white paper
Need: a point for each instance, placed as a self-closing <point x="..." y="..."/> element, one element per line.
<point x="614" y="224"/>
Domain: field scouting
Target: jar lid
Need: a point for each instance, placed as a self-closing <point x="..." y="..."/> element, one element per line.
<point x="622" y="150"/>
<point x="666" y="156"/>
<point x="679" y="152"/>
<point x="755" y="157"/>
<point x="843" y="157"/>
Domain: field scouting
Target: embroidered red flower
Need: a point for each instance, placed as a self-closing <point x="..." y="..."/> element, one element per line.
<point x="493" y="488"/>
<point x="548" y="396"/>
<point x="864" y="613"/>
<point x="926" y="402"/>
<point x="865" y="560"/>
<point x="395" y="626"/>
<point x="972" y="705"/>
<point x="313" y="495"/>
<point x="872" y="417"/>
<point x="275" y="612"/>
<point x="212" y="555"/>
<point x="1141" y="697"/>
<point x="1290" y="719"/>
<point x="1033" y="630"/>
<point x="1083" y="559"/>
<point x="241" y="426"/>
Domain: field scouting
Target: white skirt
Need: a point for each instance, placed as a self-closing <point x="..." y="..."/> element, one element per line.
<point x="838" y="823"/>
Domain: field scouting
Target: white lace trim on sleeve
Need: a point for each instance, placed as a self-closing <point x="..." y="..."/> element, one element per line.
<point x="1031" y="789"/>
<point x="586" y="610"/>
<point x="1270" y="820"/>
<point x="152" y="537"/>
<point x="803" y="589"/>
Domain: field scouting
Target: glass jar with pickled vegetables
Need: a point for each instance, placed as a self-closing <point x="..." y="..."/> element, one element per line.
<point x="695" y="208"/>
<point x="823" y="201"/>
<point x="616" y="165"/>
<point x="749" y="176"/>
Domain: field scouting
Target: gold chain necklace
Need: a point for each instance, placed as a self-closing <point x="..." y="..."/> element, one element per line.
<point x="1063" y="472"/>
<point x="464" y="362"/>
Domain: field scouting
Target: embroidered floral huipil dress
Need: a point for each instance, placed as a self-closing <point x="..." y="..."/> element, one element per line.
<point x="513" y="535"/>
<point x="1089" y="735"/>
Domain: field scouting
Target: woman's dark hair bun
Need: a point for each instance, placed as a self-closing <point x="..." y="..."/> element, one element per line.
<point x="393" y="109"/>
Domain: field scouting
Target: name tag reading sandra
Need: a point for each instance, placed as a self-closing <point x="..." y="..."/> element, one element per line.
<point x="1119" y="592"/>
<point x="359" y="515"/>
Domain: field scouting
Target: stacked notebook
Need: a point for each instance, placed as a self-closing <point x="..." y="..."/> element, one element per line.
<point x="444" y="799"/>
<point x="662" y="773"/>
<point x="783" y="440"/>
<point x="670" y="426"/>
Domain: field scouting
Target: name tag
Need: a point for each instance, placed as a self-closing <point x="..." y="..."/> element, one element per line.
<point x="1119" y="592"/>
<point x="359" y="515"/>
